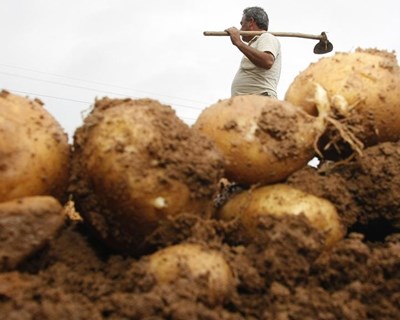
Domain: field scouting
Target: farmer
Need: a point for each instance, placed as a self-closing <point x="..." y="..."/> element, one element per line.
<point x="260" y="68"/>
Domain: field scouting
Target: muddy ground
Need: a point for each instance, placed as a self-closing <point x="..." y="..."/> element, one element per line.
<point x="284" y="274"/>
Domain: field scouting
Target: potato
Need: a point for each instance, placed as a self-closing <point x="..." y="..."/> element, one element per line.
<point x="363" y="88"/>
<point x="192" y="261"/>
<point x="134" y="165"/>
<point x="263" y="140"/>
<point x="27" y="225"/>
<point x="34" y="150"/>
<point x="280" y="200"/>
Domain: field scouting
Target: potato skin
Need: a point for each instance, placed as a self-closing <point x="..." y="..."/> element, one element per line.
<point x="34" y="150"/>
<point x="188" y="259"/>
<point x="135" y="164"/>
<point x="369" y="82"/>
<point x="263" y="140"/>
<point x="280" y="200"/>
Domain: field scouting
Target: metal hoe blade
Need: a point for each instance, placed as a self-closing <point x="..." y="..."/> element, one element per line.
<point x="323" y="46"/>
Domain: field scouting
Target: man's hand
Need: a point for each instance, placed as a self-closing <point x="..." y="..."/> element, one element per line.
<point x="235" y="36"/>
<point x="259" y="58"/>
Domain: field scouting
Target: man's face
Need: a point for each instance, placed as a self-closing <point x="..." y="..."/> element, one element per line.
<point x="246" y="26"/>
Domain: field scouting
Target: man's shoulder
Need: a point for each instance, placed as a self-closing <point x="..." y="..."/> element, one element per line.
<point x="268" y="40"/>
<point x="268" y="36"/>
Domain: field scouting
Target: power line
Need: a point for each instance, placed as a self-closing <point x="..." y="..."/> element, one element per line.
<point x="84" y="88"/>
<point x="102" y="83"/>
<point x="70" y="100"/>
<point x="47" y="96"/>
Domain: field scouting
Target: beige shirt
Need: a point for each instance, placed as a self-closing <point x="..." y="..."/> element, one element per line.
<point x="251" y="79"/>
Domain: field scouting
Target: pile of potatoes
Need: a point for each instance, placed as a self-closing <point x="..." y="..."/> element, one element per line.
<point x="134" y="163"/>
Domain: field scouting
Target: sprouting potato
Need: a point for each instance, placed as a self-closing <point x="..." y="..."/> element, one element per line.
<point x="363" y="90"/>
<point x="263" y="140"/>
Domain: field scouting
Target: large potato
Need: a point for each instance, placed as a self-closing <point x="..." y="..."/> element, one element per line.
<point x="363" y="88"/>
<point x="194" y="262"/>
<point x="34" y="150"/>
<point x="135" y="164"/>
<point x="263" y="140"/>
<point x="280" y="200"/>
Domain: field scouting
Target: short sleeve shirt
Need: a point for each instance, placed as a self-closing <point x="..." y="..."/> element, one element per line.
<point x="251" y="79"/>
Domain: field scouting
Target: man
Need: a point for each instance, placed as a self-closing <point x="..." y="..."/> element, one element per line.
<point x="260" y="68"/>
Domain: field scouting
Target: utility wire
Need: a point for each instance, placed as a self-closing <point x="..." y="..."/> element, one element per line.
<point x="71" y="100"/>
<point x="47" y="96"/>
<point x="84" y="88"/>
<point x="102" y="83"/>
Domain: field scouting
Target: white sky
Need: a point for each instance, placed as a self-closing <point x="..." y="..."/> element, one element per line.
<point x="70" y="52"/>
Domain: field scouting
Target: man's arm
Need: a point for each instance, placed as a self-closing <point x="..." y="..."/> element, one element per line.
<point x="259" y="58"/>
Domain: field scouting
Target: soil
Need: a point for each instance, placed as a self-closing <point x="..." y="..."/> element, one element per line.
<point x="285" y="273"/>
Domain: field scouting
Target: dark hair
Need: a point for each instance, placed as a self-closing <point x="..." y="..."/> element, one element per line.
<point x="259" y="15"/>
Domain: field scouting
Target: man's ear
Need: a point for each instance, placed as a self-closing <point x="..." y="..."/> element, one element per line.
<point x="253" y="23"/>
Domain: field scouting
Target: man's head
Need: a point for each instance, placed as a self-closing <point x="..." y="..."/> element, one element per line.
<point x="256" y="19"/>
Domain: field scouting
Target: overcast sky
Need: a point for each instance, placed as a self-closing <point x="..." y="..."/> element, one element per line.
<point x="70" y="52"/>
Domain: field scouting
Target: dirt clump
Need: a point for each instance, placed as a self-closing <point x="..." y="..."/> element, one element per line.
<point x="365" y="190"/>
<point x="285" y="273"/>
